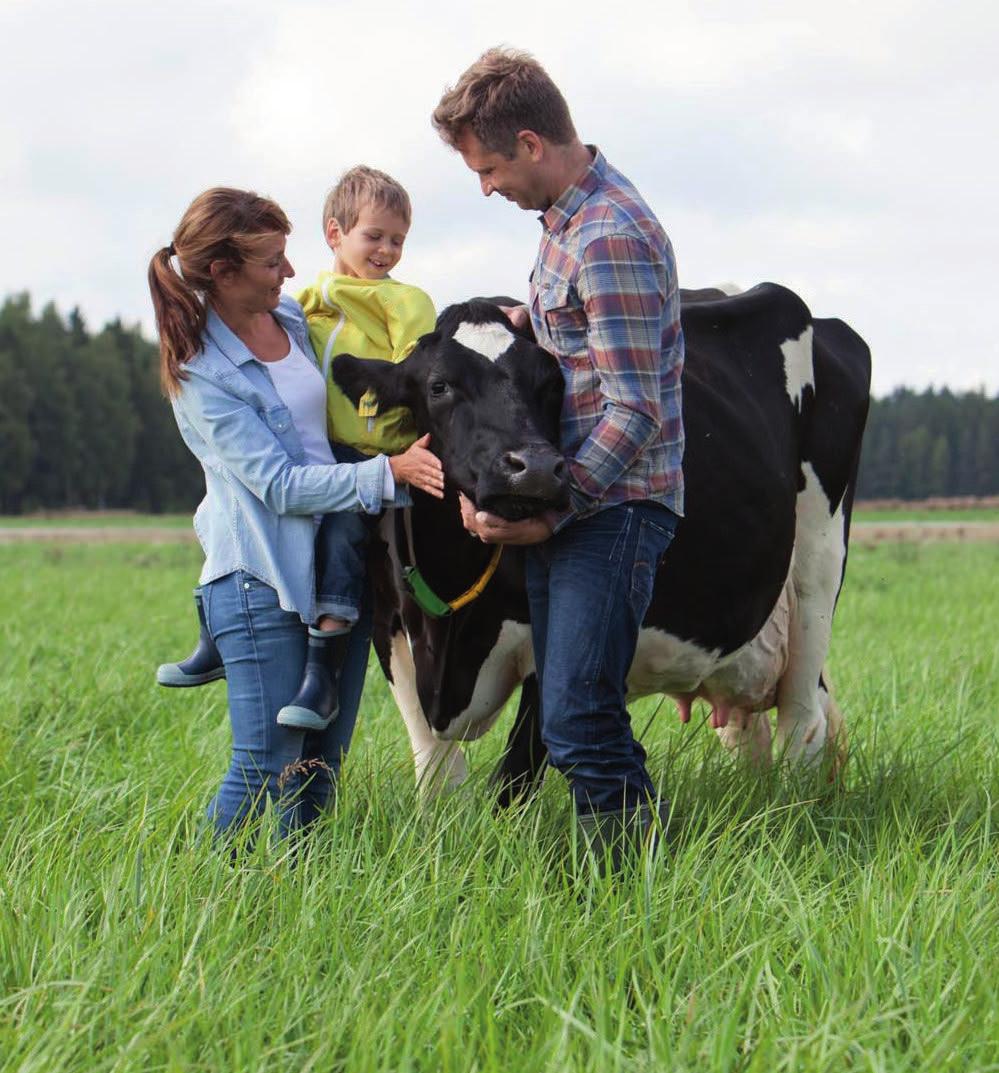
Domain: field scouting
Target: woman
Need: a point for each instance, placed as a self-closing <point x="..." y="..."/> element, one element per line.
<point x="269" y="475"/>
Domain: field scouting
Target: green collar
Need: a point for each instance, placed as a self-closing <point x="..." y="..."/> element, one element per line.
<point x="431" y="604"/>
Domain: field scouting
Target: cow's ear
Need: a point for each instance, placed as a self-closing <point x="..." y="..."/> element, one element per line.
<point x="355" y="376"/>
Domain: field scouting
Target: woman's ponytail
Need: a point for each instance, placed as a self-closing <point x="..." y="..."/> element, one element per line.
<point x="221" y="224"/>
<point x="180" y="319"/>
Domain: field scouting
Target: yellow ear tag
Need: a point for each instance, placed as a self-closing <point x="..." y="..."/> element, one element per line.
<point x="368" y="407"/>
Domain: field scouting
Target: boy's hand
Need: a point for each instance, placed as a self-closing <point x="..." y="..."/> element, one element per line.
<point x="419" y="467"/>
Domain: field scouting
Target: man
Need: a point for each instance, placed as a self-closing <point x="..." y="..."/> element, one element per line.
<point x="604" y="300"/>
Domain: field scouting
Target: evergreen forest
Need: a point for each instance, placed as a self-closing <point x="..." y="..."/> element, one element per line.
<point x="83" y="424"/>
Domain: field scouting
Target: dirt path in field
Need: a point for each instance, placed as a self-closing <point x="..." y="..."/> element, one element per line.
<point x="861" y="533"/>
<point x="923" y="532"/>
<point x="96" y="534"/>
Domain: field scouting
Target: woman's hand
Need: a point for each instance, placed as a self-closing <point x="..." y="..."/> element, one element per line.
<point x="419" y="467"/>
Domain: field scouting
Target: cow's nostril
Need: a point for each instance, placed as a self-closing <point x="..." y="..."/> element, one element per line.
<point x="514" y="462"/>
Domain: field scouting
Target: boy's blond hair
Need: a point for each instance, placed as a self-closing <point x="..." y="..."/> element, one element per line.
<point x="362" y="186"/>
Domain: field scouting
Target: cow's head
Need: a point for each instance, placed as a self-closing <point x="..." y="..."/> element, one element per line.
<point x="490" y="398"/>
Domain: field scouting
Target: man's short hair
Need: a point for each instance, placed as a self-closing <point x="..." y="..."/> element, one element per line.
<point x="504" y="92"/>
<point x="362" y="186"/>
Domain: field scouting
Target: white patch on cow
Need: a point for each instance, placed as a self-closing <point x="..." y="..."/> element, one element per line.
<point x="507" y="665"/>
<point x="731" y="289"/>
<point x="745" y="679"/>
<point x="439" y="765"/>
<point x="799" y="371"/>
<point x="490" y="340"/>
<point x="803" y="710"/>
<point x="666" y="664"/>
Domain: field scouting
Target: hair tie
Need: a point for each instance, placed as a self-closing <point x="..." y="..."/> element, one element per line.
<point x="171" y="250"/>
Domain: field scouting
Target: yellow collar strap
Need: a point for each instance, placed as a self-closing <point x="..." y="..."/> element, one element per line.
<point x="432" y="604"/>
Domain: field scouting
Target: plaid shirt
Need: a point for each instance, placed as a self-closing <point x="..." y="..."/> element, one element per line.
<point x="605" y="302"/>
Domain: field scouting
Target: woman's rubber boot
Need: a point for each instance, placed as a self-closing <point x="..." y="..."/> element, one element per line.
<point x="203" y="665"/>
<point x="314" y="706"/>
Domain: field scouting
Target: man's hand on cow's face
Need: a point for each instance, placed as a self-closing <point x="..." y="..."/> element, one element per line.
<point x="492" y="529"/>
<point x="517" y="315"/>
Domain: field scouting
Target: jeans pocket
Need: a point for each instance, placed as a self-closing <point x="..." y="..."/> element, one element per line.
<point x="653" y="540"/>
<point x="257" y="594"/>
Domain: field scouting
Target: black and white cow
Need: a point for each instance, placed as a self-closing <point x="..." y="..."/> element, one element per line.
<point x="774" y="405"/>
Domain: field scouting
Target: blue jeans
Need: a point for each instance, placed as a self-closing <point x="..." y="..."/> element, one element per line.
<point x="589" y="587"/>
<point x="342" y="554"/>
<point x="263" y="649"/>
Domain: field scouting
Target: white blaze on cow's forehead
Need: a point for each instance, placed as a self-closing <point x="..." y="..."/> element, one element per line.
<point x="490" y="340"/>
<point x="799" y="372"/>
<point x="731" y="289"/>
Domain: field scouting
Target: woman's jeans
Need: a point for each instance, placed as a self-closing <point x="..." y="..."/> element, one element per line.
<point x="263" y="649"/>
<point x="589" y="587"/>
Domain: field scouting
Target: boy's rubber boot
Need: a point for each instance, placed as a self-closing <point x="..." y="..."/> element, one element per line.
<point x="314" y="706"/>
<point x="612" y="838"/>
<point x="203" y="665"/>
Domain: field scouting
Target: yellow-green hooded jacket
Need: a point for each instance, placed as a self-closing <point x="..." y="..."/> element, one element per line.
<point x="369" y="318"/>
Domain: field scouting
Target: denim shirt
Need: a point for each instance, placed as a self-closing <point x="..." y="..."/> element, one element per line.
<point x="261" y="498"/>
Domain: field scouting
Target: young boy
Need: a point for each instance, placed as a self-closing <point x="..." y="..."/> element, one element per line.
<point x="355" y="309"/>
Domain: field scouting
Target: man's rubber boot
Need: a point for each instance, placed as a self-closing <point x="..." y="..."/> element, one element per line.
<point x="314" y="706"/>
<point x="203" y="665"/>
<point x="616" y="836"/>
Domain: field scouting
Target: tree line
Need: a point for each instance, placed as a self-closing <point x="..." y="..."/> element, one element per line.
<point x="83" y="424"/>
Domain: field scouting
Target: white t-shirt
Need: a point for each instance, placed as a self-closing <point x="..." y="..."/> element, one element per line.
<point x="302" y="389"/>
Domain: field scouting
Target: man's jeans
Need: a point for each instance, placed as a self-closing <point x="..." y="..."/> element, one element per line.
<point x="589" y="587"/>
<point x="263" y="648"/>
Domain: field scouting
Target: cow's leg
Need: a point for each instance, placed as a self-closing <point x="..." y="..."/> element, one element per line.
<point x="747" y="734"/>
<point x="816" y="573"/>
<point x="440" y="765"/>
<point x="835" y="728"/>
<point x="518" y="774"/>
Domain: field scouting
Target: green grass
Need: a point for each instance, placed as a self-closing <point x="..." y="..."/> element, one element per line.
<point x="96" y="519"/>
<point x="797" y="928"/>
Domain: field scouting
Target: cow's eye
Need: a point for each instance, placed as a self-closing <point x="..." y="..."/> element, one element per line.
<point x="438" y="388"/>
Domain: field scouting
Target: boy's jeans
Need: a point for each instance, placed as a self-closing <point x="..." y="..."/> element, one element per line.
<point x="263" y="648"/>
<point x="342" y="554"/>
<point x="589" y="587"/>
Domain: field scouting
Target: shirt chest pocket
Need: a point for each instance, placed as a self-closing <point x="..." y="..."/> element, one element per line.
<point x="278" y="420"/>
<point x="565" y="320"/>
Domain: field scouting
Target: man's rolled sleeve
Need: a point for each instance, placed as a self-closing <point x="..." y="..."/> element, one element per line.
<point x="623" y="288"/>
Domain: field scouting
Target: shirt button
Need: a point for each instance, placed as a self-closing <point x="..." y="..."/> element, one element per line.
<point x="246" y="584"/>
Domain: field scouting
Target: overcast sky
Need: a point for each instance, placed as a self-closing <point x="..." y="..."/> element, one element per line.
<point x="847" y="150"/>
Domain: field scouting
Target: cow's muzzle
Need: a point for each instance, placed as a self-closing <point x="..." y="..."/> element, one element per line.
<point x="524" y="483"/>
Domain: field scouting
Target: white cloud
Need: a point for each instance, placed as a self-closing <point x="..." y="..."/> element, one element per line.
<point x="843" y="149"/>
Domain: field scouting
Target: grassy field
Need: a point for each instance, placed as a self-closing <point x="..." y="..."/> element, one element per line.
<point x="95" y="519"/>
<point x="796" y="928"/>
